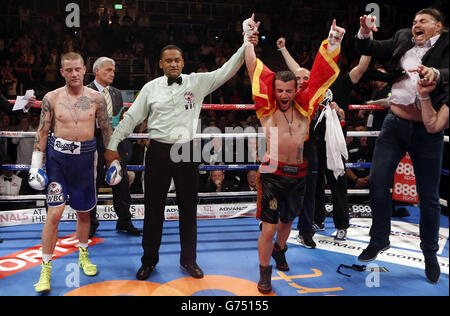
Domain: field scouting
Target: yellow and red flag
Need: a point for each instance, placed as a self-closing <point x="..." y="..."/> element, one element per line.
<point x="323" y="73"/>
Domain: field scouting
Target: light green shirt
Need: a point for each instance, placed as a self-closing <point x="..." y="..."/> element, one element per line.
<point x="173" y="111"/>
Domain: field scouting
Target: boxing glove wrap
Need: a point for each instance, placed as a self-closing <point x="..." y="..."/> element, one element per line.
<point x="37" y="178"/>
<point x="114" y="173"/>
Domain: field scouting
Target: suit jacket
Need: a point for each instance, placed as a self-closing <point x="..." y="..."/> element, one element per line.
<point x="394" y="48"/>
<point x="5" y="106"/>
<point x="116" y="97"/>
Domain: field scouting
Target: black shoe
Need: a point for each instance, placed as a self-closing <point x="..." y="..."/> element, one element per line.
<point x="129" y="228"/>
<point x="279" y="255"/>
<point x="265" y="278"/>
<point x="93" y="229"/>
<point x="144" y="272"/>
<point x="371" y="253"/>
<point x="193" y="269"/>
<point x="432" y="270"/>
<point x="306" y="241"/>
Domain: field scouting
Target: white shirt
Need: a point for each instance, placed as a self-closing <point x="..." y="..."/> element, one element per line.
<point x="25" y="148"/>
<point x="100" y="88"/>
<point x="173" y="111"/>
<point x="404" y="92"/>
<point x="10" y="188"/>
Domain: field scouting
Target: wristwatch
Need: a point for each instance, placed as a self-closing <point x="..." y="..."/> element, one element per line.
<point x="438" y="74"/>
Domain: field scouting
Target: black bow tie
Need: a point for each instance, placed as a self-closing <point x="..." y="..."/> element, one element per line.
<point x="8" y="179"/>
<point x="178" y="80"/>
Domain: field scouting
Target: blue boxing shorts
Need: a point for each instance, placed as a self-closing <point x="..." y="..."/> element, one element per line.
<point x="71" y="174"/>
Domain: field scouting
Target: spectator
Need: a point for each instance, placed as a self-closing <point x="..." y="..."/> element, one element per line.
<point x="50" y="73"/>
<point x="7" y="148"/>
<point x="359" y="152"/>
<point x="8" y="82"/>
<point x="10" y="184"/>
<point x="217" y="182"/>
<point x="252" y="180"/>
<point x="24" y="144"/>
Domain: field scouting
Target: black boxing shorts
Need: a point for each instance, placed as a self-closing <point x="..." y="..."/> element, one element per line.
<point x="281" y="189"/>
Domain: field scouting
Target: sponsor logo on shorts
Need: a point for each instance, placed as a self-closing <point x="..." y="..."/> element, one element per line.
<point x="55" y="193"/>
<point x="290" y="169"/>
<point x="273" y="204"/>
<point x="65" y="146"/>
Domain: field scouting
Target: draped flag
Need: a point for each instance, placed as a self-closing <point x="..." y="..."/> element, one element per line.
<point x="323" y="73"/>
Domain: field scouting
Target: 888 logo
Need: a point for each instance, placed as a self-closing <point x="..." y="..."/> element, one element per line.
<point x="406" y="169"/>
<point x="406" y="189"/>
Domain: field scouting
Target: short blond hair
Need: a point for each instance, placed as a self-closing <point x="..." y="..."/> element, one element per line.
<point x="71" y="56"/>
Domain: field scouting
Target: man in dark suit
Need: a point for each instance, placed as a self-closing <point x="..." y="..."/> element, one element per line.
<point x="419" y="52"/>
<point x="104" y="69"/>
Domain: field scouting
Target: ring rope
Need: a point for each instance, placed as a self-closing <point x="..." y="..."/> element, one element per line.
<point x="243" y="107"/>
<point x="20" y="134"/>
<point x="202" y="167"/>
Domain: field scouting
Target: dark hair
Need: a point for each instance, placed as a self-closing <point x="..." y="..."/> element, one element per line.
<point x="435" y="13"/>
<point x="285" y="76"/>
<point x="168" y="47"/>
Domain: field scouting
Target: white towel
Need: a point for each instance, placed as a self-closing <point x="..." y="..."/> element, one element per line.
<point x="335" y="143"/>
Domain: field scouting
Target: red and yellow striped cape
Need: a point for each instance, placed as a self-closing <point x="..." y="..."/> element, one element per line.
<point x="323" y="73"/>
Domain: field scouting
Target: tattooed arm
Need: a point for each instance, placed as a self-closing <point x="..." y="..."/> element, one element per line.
<point x="45" y="124"/>
<point x="102" y="118"/>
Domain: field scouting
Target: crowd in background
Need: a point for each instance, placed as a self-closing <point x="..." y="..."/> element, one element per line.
<point x="30" y="51"/>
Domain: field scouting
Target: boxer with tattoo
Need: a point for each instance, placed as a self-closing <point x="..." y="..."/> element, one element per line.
<point x="69" y="115"/>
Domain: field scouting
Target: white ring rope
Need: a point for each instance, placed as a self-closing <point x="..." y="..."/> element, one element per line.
<point x="18" y="134"/>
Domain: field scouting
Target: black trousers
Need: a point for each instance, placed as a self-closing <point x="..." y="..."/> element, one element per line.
<point x="306" y="216"/>
<point x="338" y="192"/>
<point x="121" y="191"/>
<point x="159" y="170"/>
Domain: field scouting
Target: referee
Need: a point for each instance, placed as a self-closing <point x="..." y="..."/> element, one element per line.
<point x="172" y="105"/>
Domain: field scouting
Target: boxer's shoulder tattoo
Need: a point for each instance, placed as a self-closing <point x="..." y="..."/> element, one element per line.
<point x="102" y="112"/>
<point x="46" y="113"/>
<point x="103" y="119"/>
<point x="45" y="121"/>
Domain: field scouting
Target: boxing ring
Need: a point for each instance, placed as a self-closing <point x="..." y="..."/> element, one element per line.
<point x="311" y="273"/>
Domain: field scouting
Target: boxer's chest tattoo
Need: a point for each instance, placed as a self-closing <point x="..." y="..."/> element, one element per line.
<point x="81" y="104"/>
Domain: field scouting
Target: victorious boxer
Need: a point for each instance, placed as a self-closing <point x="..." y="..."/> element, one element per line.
<point x="285" y="114"/>
<point x="69" y="113"/>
